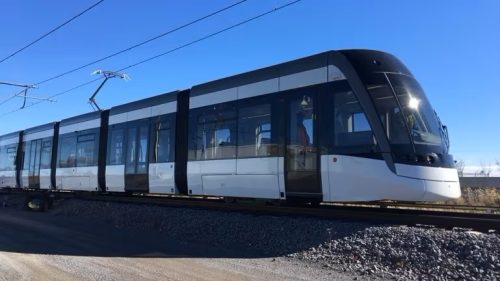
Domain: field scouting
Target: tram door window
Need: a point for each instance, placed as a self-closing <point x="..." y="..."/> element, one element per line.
<point x="26" y="159"/>
<point x="163" y="139"/>
<point x="116" y="146"/>
<point x="301" y="157"/>
<point x="130" y="166"/>
<point x="142" y="150"/>
<point x="137" y="160"/>
<point x="32" y="162"/>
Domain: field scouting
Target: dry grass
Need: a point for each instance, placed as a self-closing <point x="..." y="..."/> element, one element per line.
<point x="478" y="196"/>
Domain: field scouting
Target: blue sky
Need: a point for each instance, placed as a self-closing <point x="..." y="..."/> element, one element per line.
<point x="452" y="47"/>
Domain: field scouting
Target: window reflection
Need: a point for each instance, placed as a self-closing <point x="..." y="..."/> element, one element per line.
<point x="213" y="133"/>
<point x="67" y="150"/>
<point x="301" y="152"/>
<point x="351" y="125"/>
<point x="254" y="131"/>
<point x="86" y="151"/>
<point x="420" y="117"/>
<point x="78" y="149"/>
<point x="301" y="122"/>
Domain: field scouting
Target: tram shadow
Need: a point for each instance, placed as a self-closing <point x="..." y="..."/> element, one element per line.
<point x="160" y="233"/>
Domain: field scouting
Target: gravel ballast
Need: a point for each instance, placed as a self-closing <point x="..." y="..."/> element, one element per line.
<point x="387" y="252"/>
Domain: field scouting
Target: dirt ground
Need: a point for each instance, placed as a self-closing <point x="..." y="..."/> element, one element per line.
<point x="42" y="246"/>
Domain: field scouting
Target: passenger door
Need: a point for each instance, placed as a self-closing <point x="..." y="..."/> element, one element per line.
<point x="302" y="178"/>
<point x="137" y="157"/>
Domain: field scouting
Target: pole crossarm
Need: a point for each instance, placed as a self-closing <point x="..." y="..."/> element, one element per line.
<point x="29" y="86"/>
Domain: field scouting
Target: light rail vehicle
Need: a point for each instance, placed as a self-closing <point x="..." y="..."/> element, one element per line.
<point x="339" y="126"/>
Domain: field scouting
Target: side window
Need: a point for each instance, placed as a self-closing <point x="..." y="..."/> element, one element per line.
<point x="116" y="146"/>
<point x="11" y="157"/>
<point x="3" y="158"/>
<point x="212" y="133"/>
<point x="86" y="150"/>
<point x="8" y="157"/>
<point x="351" y="128"/>
<point x="254" y="131"/>
<point x="46" y="154"/>
<point x="67" y="150"/>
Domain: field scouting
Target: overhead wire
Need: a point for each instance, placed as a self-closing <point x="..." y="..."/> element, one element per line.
<point x="143" y="42"/>
<point x="135" y="45"/>
<point x="51" y="31"/>
<point x="167" y="52"/>
<point x="40" y="38"/>
<point x="53" y="96"/>
<point x="9" y="98"/>
<point x="210" y="35"/>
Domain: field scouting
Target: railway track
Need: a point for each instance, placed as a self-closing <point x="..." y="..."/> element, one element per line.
<point x="448" y="219"/>
<point x="441" y="216"/>
<point x="426" y="206"/>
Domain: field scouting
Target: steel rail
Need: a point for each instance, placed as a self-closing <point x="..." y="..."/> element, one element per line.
<point x="427" y="206"/>
<point x="483" y="222"/>
<point x="411" y="217"/>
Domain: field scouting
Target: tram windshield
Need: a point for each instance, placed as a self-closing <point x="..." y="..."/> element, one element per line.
<point x="405" y="112"/>
<point x="415" y="134"/>
<point x="420" y="117"/>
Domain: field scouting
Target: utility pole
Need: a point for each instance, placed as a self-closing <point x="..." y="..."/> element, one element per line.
<point x="107" y="75"/>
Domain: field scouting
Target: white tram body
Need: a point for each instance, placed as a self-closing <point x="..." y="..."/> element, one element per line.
<point x="339" y="126"/>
